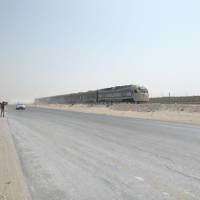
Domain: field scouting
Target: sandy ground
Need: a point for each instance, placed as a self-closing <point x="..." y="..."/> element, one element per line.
<point x="164" y="112"/>
<point x="12" y="182"/>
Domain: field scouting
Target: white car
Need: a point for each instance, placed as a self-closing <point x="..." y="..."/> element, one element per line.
<point x="20" y="106"/>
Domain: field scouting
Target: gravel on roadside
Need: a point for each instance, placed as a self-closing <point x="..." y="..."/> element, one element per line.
<point x="12" y="181"/>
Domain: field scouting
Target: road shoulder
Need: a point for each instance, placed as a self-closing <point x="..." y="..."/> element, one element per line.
<point x="12" y="180"/>
<point x="128" y="111"/>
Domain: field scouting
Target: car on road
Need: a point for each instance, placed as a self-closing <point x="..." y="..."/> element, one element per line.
<point x="20" y="106"/>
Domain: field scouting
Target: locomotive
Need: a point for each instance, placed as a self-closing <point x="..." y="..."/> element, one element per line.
<point x="126" y="93"/>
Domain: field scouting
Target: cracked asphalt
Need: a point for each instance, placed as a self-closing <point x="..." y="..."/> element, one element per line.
<point x="79" y="156"/>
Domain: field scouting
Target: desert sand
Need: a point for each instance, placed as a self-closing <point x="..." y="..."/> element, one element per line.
<point x="166" y="112"/>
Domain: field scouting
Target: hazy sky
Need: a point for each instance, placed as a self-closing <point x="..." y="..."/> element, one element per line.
<point x="52" y="47"/>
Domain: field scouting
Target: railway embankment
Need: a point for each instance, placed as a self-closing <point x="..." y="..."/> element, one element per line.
<point x="12" y="181"/>
<point x="175" y="99"/>
<point x="185" y="113"/>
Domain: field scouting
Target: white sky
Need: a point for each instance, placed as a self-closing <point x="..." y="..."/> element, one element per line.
<point x="55" y="47"/>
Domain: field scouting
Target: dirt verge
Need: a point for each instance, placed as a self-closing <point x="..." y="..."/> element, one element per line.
<point x="165" y="112"/>
<point x="12" y="181"/>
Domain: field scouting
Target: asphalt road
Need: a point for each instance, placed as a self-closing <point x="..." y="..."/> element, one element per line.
<point x="79" y="156"/>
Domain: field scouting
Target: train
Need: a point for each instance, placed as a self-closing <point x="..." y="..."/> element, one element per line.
<point x="117" y="94"/>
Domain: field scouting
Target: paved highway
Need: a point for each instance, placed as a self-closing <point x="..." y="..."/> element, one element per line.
<point x="79" y="156"/>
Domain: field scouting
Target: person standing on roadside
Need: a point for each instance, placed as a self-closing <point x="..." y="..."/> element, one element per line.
<point x="3" y="104"/>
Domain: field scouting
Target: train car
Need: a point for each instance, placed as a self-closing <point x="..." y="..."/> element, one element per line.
<point x="127" y="93"/>
<point x="81" y="97"/>
<point x="89" y="97"/>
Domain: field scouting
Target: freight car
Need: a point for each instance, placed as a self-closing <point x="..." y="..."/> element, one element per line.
<point x="126" y="93"/>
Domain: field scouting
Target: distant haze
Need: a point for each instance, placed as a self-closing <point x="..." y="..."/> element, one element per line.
<point x="56" y="47"/>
